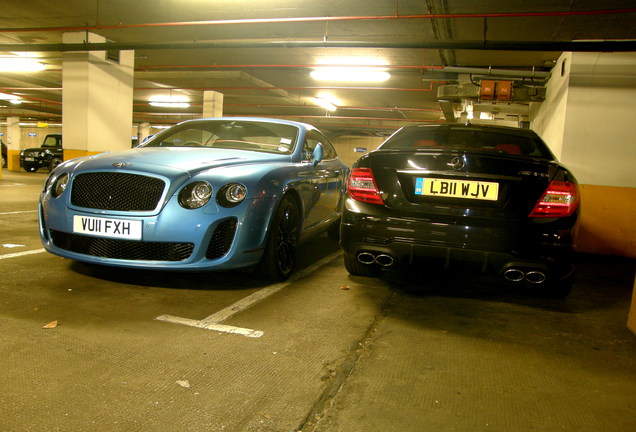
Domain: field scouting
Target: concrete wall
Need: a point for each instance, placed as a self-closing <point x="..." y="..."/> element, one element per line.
<point x="548" y="118"/>
<point x="350" y="148"/>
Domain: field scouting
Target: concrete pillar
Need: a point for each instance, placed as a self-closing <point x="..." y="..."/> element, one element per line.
<point x="587" y="119"/>
<point x="13" y="143"/>
<point x="97" y="92"/>
<point x="212" y="104"/>
<point x="143" y="130"/>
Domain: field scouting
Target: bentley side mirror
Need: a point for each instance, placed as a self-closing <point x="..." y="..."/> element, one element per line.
<point x="317" y="155"/>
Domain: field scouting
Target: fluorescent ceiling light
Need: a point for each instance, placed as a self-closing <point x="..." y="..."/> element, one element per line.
<point x="169" y="101"/>
<point x="17" y="64"/>
<point x="331" y="98"/>
<point x="350" y="74"/>
<point x="10" y="98"/>
<point x="352" y="69"/>
<point x="325" y="103"/>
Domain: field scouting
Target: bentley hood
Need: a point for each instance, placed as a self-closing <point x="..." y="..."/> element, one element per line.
<point x="175" y="161"/>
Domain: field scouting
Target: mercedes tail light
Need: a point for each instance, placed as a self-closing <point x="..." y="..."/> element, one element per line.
<point x="560" y="199"/>
<point x="362" y="186"/>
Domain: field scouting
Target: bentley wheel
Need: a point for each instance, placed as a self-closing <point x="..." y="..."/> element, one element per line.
<point x="279" y="258"/>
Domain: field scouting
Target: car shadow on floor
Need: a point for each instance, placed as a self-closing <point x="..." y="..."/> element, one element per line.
<point x="600" y="282"/>
<point x="308" y="253"/>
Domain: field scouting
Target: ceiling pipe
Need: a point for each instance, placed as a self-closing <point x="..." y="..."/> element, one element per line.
<point x="497" y="72"/>
<point x="582" y="46"/>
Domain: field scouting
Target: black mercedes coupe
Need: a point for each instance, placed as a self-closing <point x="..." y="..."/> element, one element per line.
<point x="466" y="197"/>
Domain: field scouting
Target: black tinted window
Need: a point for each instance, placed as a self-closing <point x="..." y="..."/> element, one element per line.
<point x="469" y="140"/>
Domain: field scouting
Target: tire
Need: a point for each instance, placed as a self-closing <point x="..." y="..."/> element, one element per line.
<point x="356" y="268"/>
<point x="558" y="289"/>
<point x="29" y="168"/>
<point x="334" y="231"/>
<point x="280" y="255"/>
<point x="54" y="163"/>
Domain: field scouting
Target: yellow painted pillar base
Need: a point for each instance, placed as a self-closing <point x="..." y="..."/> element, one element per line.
<point x="13" y="160"/>
<point x="72" y="154"/>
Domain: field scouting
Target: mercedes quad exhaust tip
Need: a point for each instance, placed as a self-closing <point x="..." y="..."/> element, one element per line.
<point x="366" y="258"/>
<point x="381" y="259"/>
<point x="518" y="275"/>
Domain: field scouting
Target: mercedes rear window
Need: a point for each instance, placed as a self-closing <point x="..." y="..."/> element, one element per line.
<point x="468" y="139"/>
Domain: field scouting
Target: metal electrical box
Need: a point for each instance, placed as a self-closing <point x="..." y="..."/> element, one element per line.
<point x="504" y="90"/>
<point x="487" y="90"/>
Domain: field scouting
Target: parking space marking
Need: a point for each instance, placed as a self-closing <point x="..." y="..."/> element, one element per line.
<point x="213" y="322"/>
<point x="18" y="212"/>
<point x="19" y="254"/>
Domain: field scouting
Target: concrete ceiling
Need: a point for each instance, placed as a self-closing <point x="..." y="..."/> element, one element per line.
<point x="259" y="53"/>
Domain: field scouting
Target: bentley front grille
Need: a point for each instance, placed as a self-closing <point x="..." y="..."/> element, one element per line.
<point x="122" y="249"/>
<point x="116" y="191"/>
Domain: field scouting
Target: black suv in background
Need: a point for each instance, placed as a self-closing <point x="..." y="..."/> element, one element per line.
<point x="49" y="155"/>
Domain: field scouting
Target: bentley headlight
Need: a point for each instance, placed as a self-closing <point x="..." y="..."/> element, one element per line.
<point x="195" y="195"/>
<point x="59" y="185"/>
<point x="231" y="194"/>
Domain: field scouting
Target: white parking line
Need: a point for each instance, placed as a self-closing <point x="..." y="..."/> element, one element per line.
<point x="213" y="321"/>
<point x="18" y="212"/>
<point x="19" y="254"/>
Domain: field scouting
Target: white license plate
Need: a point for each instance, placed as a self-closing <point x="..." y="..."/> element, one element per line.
<point x="105" y="227"/>
<point x="29" y="159"/>
<point x="468" y="189"/>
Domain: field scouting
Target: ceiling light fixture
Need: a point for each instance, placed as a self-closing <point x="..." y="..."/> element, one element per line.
<point x="350" y="74"/>
<point x="17" y="64"/>
<point x="325" y="103"/>
<point x="351" y="69"/>
<point x="10" y="98"/>
<point x="169" y="101"/>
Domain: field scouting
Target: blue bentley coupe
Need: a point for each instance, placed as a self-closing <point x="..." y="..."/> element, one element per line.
<point x="210" y="194"/>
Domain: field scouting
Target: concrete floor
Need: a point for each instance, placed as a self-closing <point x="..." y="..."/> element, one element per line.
<point x="333" y="352"/>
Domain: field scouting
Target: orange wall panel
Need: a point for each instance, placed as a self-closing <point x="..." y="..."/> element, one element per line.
<point x="608" y="217"/>
<point x="72" y="154"/>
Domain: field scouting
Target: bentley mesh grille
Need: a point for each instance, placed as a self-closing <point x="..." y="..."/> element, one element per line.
<point x="122" y="249"/>
<point x="116" y="191"/>
<point x="221" y="239"/>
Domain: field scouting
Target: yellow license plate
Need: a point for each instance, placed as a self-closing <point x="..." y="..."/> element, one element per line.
<point x="468" y="189"/>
